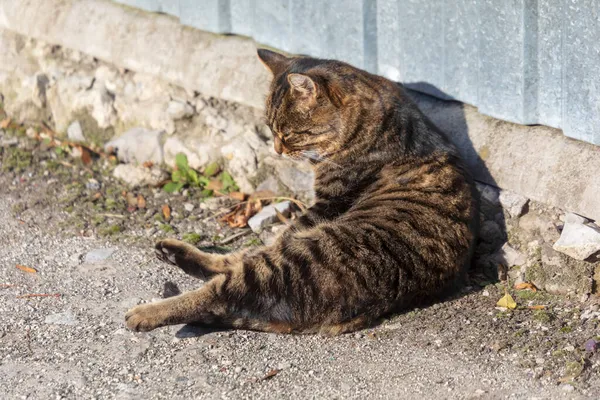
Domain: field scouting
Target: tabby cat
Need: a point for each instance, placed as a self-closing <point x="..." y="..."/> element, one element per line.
<point x="394" y="219"/>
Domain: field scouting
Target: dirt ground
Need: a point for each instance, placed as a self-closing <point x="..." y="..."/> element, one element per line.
<point x="93" y="259"/>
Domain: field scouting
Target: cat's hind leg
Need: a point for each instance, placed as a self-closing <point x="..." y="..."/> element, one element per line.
<point x="193" y="261"/>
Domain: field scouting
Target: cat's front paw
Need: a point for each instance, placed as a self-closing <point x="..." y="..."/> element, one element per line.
<point x="144" y="318"/>
<point x="166" y="250"/>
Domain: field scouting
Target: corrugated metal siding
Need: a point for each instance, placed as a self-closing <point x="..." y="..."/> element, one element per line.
<point x="526" y="61"/>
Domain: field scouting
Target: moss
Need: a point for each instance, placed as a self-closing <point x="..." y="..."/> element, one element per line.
<point x="527" y="294"/>
<point x="98" y="219"/>
<point x="566" y="329"/>
<point x="16" y="159"/>
<point x="252" y="242"/>
<point x="110" y="230"/>
<point x="19" y="208"/>
<point x="542" y="316"/>
<point x="69" y="209"/>
<point x="159" y="217"/>
<point x="166" y="228"/>
<point x="192" y="237"/>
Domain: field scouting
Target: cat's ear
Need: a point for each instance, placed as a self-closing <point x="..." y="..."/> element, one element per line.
<point x="274" y="62"/>
<point x="303" y="84"/>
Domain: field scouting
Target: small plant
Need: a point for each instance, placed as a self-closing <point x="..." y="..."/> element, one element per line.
<point x="183" y="176"/>
<point x="209" y="182"/>
<point x="191" y="237"/>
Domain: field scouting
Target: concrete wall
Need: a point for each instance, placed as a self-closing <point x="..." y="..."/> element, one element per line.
<point x="538" y="162"/>
<point x="525" y="61"/>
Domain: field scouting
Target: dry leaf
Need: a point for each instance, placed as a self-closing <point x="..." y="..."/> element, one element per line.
<point x="27" y="269"/>
<point x="166" y="211"/>
<point x="86" y="157"/>
<point x="239" y="196"/>
<point x="525" y="286"/>
<point x="507" y="302"/>
<point x="538" y="307"/>
<point x="141" y="202"/>
<point x="5" y="123"/>
<point x="270" y="374"/>
<point x="96" y="196"/>
<point x="148" y="164"/>
<point x="215" y="185"/>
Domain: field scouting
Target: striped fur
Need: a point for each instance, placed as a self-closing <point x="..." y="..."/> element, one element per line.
<point x="393" y="222"/>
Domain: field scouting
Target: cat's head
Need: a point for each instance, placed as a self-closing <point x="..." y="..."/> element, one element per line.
<point x="304" y="108"/>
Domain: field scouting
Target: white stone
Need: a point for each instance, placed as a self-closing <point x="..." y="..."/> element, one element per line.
<point x="513" y="203"/>
<point x="196" y="160"/>
<point x="510" y="257"/>
<point x="189" y="207"/>
<point x="138" y="145"/>
<point x="267" y="215"/>
<point x="241" y="163"/>
<point x="578" y="241"/>
<point x="269" y="184"/>
<point x="574" y="219"/>
<point x="64" y="318"/>
<point x="97" y="255"/>
<point x="179" y="110"/>
<point x="75" y="132"/>
<point x="136" y="176"/>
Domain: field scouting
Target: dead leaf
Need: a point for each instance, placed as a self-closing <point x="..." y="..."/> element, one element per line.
<point x="96" y="196"/>
<point x="166" y="211"/>
<point x="148" y="164"/>
<point x="141" y="202"/>
<point x="239" y="196"/>
<point x="86" y="157"/>
<point x="214" y="184"/>
<point x="131" y="199"/>
<point x="27" y="269"/>
<point x="5" y="123"/>
<point x="538" y="307"/>
<point x="270" y="374"/>
<point x="526" y="286"/>
<point x="507" y="302"/>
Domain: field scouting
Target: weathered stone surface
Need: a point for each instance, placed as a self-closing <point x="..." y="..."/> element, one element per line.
<point x="241" y="163"/>
<point x="513" y="203"/>
<point x="573" y="218"/>
<point x="488" y="193"/>
<point x="179" y="110"/>
<point x="198" y="154"/>
<point x="75" y="132"/>
<point x="268" y="215"/>
<point x="138" y="145"/>
<point x="268" y="236"/>
<point x="578" y="241"/>
<point x="136" y="176"/>
<point x="510" y="256"/>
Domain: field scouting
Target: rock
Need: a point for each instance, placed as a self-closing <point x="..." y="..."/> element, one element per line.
<point x="269" y="184"/>
<point x="138" y="145"/>
<point x="268" y="237"/>
<point x="64" y="318"/>
<point x="75" y="133"/>
<point x="297" y="179"/>
<point x="189" y="207"/>
<point x="510" y="257"/>
<point x="534" y="225"/>
<point x="174" y="146"/>
<point x="136" y="176"/>
<point x="97" y="255"/>
<point x="268" y="215"/>
<point x="179" y="110"/>
<point x="489" y="193"/>
<point x="241" y="163"/>
<point x="567" y="388"/>
<point x="513" y="203"/>
<point x="591" y="345"/>
<point x="92" y="184"/>
<point x="578" y="241"/>
<point x="573" y="218"/>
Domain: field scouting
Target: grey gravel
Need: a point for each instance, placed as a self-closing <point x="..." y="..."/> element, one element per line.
<point x="75" y="346"/>
<point x="99" y="254"/>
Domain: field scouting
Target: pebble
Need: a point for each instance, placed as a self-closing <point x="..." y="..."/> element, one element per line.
<point x="485" y="293"/>
<point x="92" y="184"/>
<point x="189" y="207"/>
<point x="578" y="241"/>
<point x="268" y="215"/>
<point x="591" y="345"/>
<point x="567" y="388"/>
<point x="238" y="370"/>
<point x="64" y="318"/>
<point x="98" y="255"/>
<point x="75" y="132"/>
<point x="569" y="348"/>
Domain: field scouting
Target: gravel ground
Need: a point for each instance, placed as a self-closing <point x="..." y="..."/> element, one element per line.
<point x="75" y="345"/>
